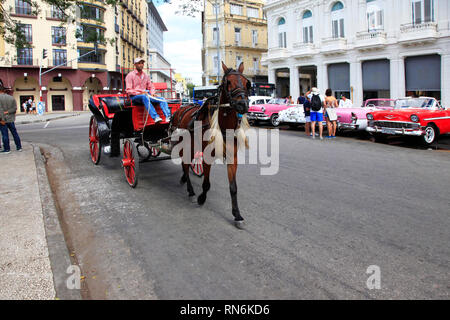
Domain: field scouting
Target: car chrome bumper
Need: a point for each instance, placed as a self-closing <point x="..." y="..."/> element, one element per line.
<point x="348" y="126"/>
<point x="257" y="116"/>
<point x="391" y="131"/>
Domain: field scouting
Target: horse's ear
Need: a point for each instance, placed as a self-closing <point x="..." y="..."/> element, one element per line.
<point x="224" y="67"/>
<point x="241" y="68"/>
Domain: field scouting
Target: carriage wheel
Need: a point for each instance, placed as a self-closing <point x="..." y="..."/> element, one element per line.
<point x="95" y="145"/>
<point x="154" y="152"/>
<point x="197" y="164"/>
<point x="130" y="162"/>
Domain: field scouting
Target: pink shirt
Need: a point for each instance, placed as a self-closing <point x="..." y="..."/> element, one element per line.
<point x="136" y="83"/>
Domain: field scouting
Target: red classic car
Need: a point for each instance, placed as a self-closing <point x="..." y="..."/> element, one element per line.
<point x="421" y="117"/>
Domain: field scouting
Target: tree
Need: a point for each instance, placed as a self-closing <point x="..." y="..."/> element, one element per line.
<point x="190" y="86"/>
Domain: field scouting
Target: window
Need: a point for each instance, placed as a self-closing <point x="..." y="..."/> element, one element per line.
<point x="282" y="33"/>
<point x="25" y="56"/>
<point x="237" y="36"/>
<point x="255" y="38"/>
<point x="422" y="11"/>
<point x="216" y="8"/>
<point x="337" y="20"/>
<point x="91" y="58"/>
<point x="93" y="13"/>
<point x="23" y="7"/>
<point x="56" y="13"/>
<point x="375" y="16"/>
<point x="215" y="62"/>
<point x="256" y="65"/>
<point x="90" y="34"/>
<point x="59" y="56"/>
<point x="27" y="31"/>
<point x="308" y="36"/>
<point x="236" y="9"/>
<point x="59" y="35"/>
<point x="252" y="12"/>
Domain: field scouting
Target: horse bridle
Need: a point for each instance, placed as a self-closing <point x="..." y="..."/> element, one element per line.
<point x="236" y="92"/>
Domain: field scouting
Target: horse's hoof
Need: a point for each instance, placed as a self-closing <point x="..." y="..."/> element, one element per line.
<point x="240" y="224"/>
<point x="201" y="199"/>
<point x="192" y="199"/>
<point x="183" y="181"/>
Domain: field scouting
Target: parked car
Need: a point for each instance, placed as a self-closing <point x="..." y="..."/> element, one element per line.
<point x="356" y="118"/>
<point x="421" y="117"/>
<point x="268" y="111"/>
<point x="293" y="116"/>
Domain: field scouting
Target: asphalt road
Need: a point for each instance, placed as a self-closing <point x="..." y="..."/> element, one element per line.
<point x="334" y="209"/>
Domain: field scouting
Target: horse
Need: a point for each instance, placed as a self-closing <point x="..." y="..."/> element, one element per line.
<point x="219" y="114"/>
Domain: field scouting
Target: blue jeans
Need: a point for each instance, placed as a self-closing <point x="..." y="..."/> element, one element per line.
<point x="5" y="136"/>
<point x="144" y="99"/>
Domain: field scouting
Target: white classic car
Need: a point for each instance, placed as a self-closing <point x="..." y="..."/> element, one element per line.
<point x="293" y="116"/>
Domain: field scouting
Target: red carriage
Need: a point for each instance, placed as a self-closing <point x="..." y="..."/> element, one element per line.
<point x="115" y="118"/>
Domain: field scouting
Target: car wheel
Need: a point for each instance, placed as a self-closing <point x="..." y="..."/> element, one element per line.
<point x="274" y="120"/>
<point x="431" y="133"/>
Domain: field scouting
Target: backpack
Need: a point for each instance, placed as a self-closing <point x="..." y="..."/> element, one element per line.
<point x="316" y="103"/>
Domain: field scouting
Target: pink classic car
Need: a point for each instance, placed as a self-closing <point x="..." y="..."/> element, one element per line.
<point x="356" y="118"/>
<point x="267" y="112"/>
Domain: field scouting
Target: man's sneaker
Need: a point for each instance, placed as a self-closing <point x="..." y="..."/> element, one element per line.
<point x="20" y="150"/>
<point x="329" y="137"/>
<point x="321" y="138"/>
<point x="4" y="152"/>
<point x="158" y="119"/>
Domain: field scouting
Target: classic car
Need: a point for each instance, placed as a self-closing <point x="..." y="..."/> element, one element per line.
<point x="355" y="118"/>
<point x="421" y="117"/>
<point x="293" y="116"/>
<point x="267" y="112"/>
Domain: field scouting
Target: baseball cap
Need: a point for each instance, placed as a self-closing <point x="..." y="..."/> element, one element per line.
<point x="139" y="59"/>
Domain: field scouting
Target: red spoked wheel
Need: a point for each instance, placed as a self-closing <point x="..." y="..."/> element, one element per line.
<point x="197" y="164"/>
<point x="95" y="146"/>
<point x="130" y="162"/>
<point x="154" y="152"/>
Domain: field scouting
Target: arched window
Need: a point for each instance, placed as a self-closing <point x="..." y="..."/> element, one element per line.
<point x="337" y="20"/>
<point x="375" y="16"/>
<point x="307" y="23"/>
<point x="282" y="33"/>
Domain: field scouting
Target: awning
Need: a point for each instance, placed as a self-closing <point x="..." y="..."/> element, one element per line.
<point x="339" y="77"/>
<point x="423" y="73"/>
<point x="376" y="75"/>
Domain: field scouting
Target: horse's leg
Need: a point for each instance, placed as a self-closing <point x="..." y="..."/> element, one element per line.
<point x="183" y="179"/>
<point x="232" y="169"/>
<point x="206" y="185"/>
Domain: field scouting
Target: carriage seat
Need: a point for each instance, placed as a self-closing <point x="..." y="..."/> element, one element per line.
<point x="116" y="104"/>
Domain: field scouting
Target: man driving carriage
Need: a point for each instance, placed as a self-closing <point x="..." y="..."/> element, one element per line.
<point x="139" y="87"/>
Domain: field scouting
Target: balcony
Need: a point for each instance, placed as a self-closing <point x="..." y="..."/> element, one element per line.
<point x="411" y="34"/>
<point x="68" y="65"/>
<point x="23" y="11"/>
<point x="331" y="46"/>
<point x="26" y="62"/>
<point x="304" y="50"/>
<point x="370" y="40"/>
<point x="278" y="54"/>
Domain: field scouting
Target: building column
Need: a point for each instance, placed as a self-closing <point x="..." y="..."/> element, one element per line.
<point x="294" y="82"/>
<point x="77" y="97"/>
<point x="445" y="80"/>
<point x="45" y="99"/>
<point x="271" y="75"/>
<point x="322" y="77"/>
<point x="356" y="83"/>
<point x="398" y="78"/>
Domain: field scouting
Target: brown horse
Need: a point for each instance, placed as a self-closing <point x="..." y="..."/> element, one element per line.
<point x="219" y="116"/>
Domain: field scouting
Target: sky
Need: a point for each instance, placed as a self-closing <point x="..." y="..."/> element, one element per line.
<point x="183" y="42"/>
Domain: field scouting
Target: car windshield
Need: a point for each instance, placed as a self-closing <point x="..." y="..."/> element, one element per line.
<point x="277" y="101"/>
<point x="414" y="103"/>
<point x="380" y="103"/>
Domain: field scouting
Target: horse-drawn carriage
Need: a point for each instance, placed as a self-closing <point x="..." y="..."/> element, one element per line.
<point x="115" y="117"/>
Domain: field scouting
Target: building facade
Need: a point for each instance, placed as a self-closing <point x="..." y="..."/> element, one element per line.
<point x="118" y="31"/>
<point x="360" y="48"/>
<point x="160" y="68"/>
<point x="238" y="35"/>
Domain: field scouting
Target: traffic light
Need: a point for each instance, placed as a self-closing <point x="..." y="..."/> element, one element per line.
<point x="44" y="53"/>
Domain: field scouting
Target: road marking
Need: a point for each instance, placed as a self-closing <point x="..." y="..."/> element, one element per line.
<point x="46" y="125"/>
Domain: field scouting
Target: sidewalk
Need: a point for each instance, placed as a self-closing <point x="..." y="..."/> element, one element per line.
<point x="32" y="118"/>
<point x="33" y="254"/>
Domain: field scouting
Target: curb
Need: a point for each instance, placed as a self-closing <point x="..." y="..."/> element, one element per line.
<point x="57" y="247"/>
<point x="46" y="119"/>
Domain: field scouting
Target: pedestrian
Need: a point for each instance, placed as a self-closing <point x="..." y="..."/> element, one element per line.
<point x="330" y="113"/>
<point x="8" y="109"/>
<point x="317" y="107"/>
<point x="302" y="100"/>
<point x="345" y="103"/>
<point x="24" y="107"/>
